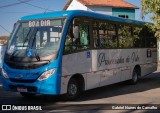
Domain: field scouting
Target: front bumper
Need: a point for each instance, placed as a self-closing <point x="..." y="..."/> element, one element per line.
<point x="48" y="86"/>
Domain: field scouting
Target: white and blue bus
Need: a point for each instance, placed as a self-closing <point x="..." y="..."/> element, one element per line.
<point x="68" y="52"/>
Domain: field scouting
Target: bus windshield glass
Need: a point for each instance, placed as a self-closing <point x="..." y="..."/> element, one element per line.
<point x="36" y="37"/>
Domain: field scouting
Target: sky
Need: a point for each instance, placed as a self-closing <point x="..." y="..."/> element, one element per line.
<point x="12" y="10"/>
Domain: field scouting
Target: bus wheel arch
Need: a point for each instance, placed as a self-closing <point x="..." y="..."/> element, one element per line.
<point x="136" y="74"/>
<point x="76" y="82"/>
<point x="138" y="69"/>
<point x="81" y="81"/>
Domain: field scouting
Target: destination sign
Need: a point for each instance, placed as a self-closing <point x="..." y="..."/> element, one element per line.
<point x="39" y="23"/>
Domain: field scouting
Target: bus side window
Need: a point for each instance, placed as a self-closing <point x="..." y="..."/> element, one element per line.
<point x="104" y="34"/>
<point x="77" y="38"/>
<point x="96" y="35"/>
<point x="84" y="36"/>
<point x="150" y="38"/>
<point x="125" y="36"/>
<point x="137" y="37"/>
<point x="69" y="41"/>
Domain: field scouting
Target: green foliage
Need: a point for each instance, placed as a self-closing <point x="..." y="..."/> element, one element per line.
<point x="153" y="6"/>
<point x="125" y="37"/>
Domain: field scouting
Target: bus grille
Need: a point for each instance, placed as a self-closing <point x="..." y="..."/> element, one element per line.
<point x="22" y="80"/>
<point x="26" y="66"/>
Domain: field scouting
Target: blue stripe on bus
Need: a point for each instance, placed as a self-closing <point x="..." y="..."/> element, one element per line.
<point x="74" y="13"/>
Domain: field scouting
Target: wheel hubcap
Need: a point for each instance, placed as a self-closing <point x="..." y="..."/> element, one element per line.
<point x="135" y="77"/>
<point x="72" y="89"/>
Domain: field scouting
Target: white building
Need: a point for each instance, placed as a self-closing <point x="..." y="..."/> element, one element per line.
<point x="119" y="8"/>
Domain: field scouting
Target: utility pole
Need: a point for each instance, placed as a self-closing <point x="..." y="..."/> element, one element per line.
<point x="142" y="12"/>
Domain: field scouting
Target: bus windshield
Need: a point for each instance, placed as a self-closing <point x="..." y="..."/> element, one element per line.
<point x="37" y="37"/>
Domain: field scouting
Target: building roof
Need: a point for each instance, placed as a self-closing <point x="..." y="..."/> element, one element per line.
<point x="3" y="40"/>
<point x="4" y="37"/>
<point x="108" y="3"/>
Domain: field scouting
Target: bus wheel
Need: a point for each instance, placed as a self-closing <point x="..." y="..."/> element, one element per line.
<point x="27" y="95"/>
<point x="72" y="90"/>
<point x="135" y="76"/>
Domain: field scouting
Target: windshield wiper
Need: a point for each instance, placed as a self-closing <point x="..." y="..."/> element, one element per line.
<point x="37" y="55"/>
<point x="12" y="55"/>
<point x="35" y="50"/>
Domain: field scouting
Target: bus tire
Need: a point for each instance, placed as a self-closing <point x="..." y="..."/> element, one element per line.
<point x="72" y="90"/>
<point x="135" y="77"/>
<point x="27" y="95"/>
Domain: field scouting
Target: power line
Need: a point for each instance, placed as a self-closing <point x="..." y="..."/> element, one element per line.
<point x="46" y="9"/>
<point x="35" y="6"/>
<point x="25" y="2"/>
<point x="17" y="3"/>
<point x="12" y="12"/>
<point x="5" y="29"/>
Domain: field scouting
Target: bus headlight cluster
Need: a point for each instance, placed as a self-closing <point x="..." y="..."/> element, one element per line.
<point x="46" y="74"/>
<point x="4" y="73"/>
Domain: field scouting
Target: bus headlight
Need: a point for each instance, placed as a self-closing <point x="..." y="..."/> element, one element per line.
<point x="4" y="73"/>
<point x="46" y="74"/>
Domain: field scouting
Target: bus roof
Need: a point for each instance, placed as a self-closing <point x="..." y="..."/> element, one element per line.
<point x="73" y="13"/>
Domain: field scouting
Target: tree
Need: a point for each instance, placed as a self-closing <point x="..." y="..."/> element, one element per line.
<point x="153" y="6"/>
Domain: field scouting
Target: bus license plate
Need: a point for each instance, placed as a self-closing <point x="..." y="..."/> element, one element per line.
<point x="20" y="89"/>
